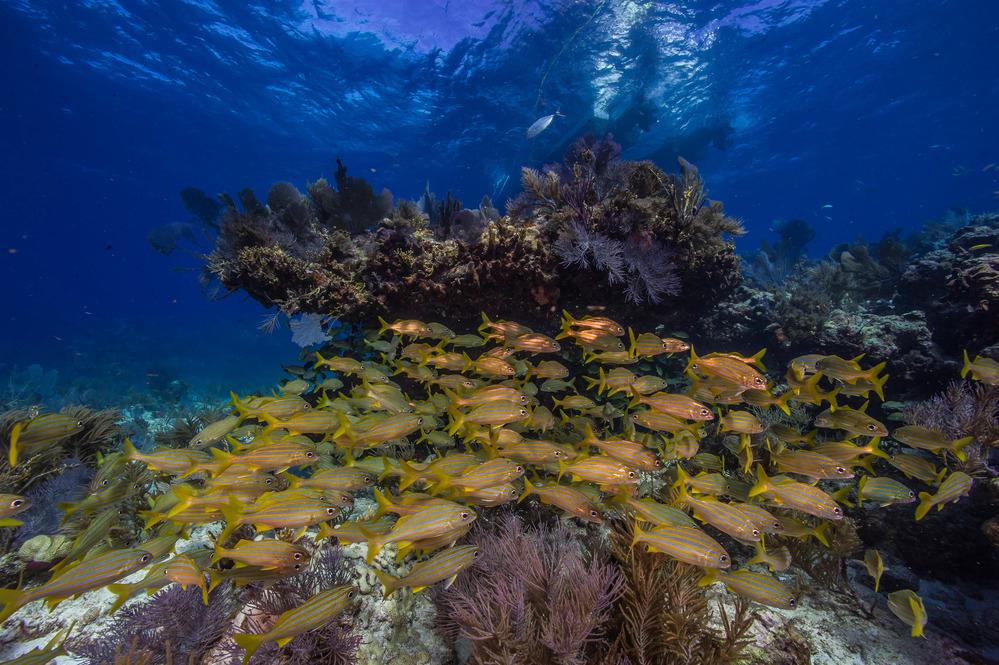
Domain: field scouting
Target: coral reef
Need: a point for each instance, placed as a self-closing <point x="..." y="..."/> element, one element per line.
<point x="537" y="595"/>
<point x="912" y="301"/>
<point x="595" y="230"/>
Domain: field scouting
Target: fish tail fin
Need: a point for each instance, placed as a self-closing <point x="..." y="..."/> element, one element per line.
<point x="876" y="382"/>
<point x="230" y="512"/>
<point x="781" y="402"/>
<point x="957" y="447"/>
<point x="561" y="469"/>
<point x="242" y="411"/>
<point x="383" y="503"/>
<point x="457" y="419"/>
<point x="967" y="365"/>
<point x="529" y="488"/>
<point x="925" y="503"/>
<point x="390" y="583"/>
<point x="12" y="600"/>
<point x="485" y="323"/>
<point x="760" y="553"/>
<point x="375" y="543"/>
<point x="842" y="495"/>
<point x="249" y="643"/>
<point x="820" y="533"/>
<point x="15" y="435"/>
<point x="591" y="382"/>
<point x="603" y="380"/>
<point x="757" y="359"/>
<point x="383" y="325"/>
<point x="876" y="449"/>
<point x="409" y="475"/>
<point x="918" y="611"/>
<point x="185" y="496"/>
<point x="633" y="343"/>
<point x="343" y="425"/>
<point x="130" y="450"/>
<point x="762" y="482"/>
<point x="710" y="576"/>
<point x="122" y="592"/>
<point x="637" y="534"/>
<point x="320" y="361"/>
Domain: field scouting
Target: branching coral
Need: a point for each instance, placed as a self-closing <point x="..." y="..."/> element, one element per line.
<point x="174" y="622"/>
<point x="962" y="410"/>
<point x="533" y="596"/>
<point x="664" y="616"/>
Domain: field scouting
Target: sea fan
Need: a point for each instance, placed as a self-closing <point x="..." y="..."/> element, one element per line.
<point x="652" y="274"/>
<point x="307" y="330"/>
<point x="581" y="248"/>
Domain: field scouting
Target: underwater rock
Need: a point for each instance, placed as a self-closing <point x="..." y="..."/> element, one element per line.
<point x="44" y="549"/>
<point x="957" y="285"/>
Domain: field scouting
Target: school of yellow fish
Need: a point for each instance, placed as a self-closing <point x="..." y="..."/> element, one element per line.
<point x="501" y="420"/>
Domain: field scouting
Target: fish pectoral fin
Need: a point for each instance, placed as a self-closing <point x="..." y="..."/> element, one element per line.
<point x="284" y="640"/>
<point x="417" y="589"/>
<point x="450" y="581"/>
<point x="299" y="532"/>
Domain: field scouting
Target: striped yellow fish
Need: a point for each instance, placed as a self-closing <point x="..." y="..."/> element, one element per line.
<point x="797" y="496"/>
<point x="493" y="414"/>
<point x="314" y="613"/>
<point x="656" y="513"/>
<point x="549" y="369"/>
<point x="96" y="531"/>
<point x="683" y="543"/>
<point x="981" y="369"/>
<point x="437" y="519"/>
<point x="679" y="406"/>
<point x="183" y="570"/>
<point x="951" y="489"/>
<point x="777" y="559"/>
<point x="932" y="440"/>
<point x="502" y="329"/>
<point x="405" y="327"/>
<point x="884" y="491"/>
<point x="299" y="514"/>
<point x="89" y="574"/>
<point x="565" y="497"/>
<point x="37" y="433"/>
<point x="601" y="470"/>
<point x="728" y="369"/>
<point x="914" y="465"/>
<point x="608" y="326"/>
<point x="480" y="476"/>
<point x="853" y="421"/>
<point x="266" y="554"/>
<point x="908" y="607"/>
<point x="875" y="567"/>
<point x="757" y="587"/>
<point x="214" y="432"/>
<point x="811" y="464"/>
<point x="533" y="342"/>
<point x="445" y="565"/>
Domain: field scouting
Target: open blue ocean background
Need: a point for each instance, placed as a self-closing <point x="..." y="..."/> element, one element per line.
<point x="858" y="116"/>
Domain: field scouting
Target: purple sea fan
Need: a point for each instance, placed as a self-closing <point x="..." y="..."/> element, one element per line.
<point x="581" y="248"/>
<point x="533" y="596"/>
<point x="652" y="274"/>
<point x="963" y="409"/>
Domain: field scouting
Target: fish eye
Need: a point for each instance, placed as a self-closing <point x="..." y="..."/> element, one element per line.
<point x="79" y="423"/>
<point x="840" y="470"/>
<point x="297" y="556"/>
<point x="310" y="454"/>
<point x="631" y="474"/>
<point x="557" y="453"/>
<point x="331" y="511"/>
<point x="467" y="384"/>
<point x="778" y="526"/>
<point x="350" y="594"/>
<point x="475" y="554"/>
<point x="912" y="494"/>
<point x="723" y="558"/>
<point x="523" y="412"/>
<point x="519" y="469"/>
<point x="368" y="480"/>
<point x="419" y="421"/>
<point x="105" y="482"/>
<point x="268" y="481"/>
<point x="705" y="412"/>
<point x="871" y="428"/>
<point x="594" y="513"/>
<point x="792" y="602"/>
<point x="756" y="533"/>
<point x="758" y="381"/>
<point x="838" y="511"/>
<point x="523" y="398"/>
<point x="464" y="516"/>
<point x="144" y="558"/>
<point x="557" y="346"/>
<point x="16" y="503"/>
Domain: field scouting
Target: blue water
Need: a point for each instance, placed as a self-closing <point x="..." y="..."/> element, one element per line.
<point x="858" y="116"/>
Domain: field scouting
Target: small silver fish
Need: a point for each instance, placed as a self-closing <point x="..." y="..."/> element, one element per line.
<point x="541" y="124"/>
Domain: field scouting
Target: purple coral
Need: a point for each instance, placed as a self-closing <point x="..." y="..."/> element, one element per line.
<point x="963" y="409"/>
<point x="532" y="596"/>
